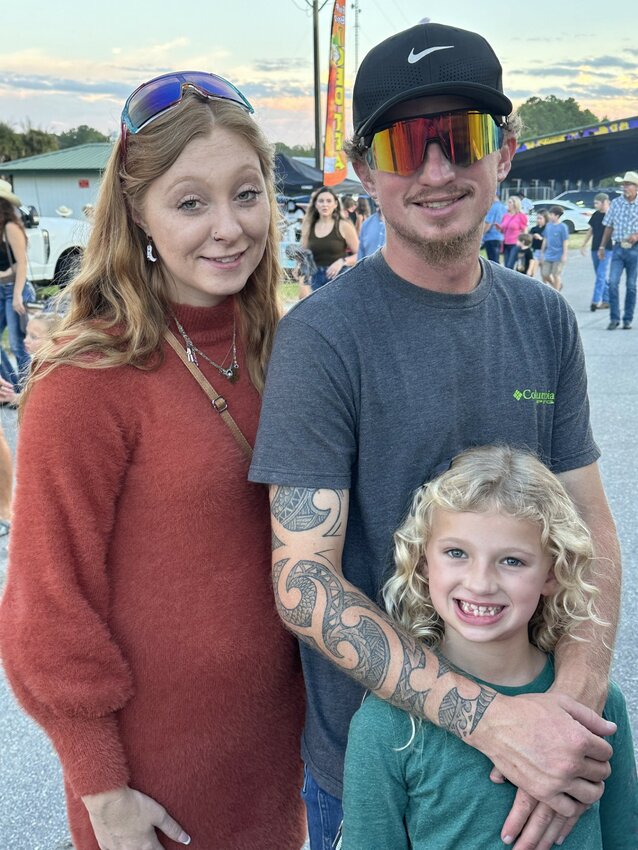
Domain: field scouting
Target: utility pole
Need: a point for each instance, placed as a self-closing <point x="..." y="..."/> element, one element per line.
<point x="316" y="8"/>
<point x="355" y="6"/>
<point x="317" y="84"/>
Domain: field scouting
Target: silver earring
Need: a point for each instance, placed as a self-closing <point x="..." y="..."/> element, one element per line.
<point x="149" y="251"/>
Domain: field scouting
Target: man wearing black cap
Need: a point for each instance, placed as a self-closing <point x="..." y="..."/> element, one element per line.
<point x="376" y="382"/>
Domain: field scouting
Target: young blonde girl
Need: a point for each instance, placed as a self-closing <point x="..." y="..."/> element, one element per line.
<point x="493" y="567"/>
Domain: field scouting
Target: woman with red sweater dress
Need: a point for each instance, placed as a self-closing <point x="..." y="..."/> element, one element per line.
<point x="138" y="625"/>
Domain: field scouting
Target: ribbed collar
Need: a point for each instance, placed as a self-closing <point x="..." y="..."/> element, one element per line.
<point x="206" y="325"/>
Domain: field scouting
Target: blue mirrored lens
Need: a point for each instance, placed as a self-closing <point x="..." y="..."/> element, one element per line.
<point x="154" y="97"/>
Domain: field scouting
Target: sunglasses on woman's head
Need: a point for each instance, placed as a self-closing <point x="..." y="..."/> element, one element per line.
<point x="465" y="137"/>
<point x="152" y="99"/>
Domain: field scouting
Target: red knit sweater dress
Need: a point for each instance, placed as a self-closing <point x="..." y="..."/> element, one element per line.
<point x="138" y="625"/>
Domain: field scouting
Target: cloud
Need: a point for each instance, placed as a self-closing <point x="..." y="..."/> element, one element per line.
<point x="59" y="85"/>
<point x="282" y="64"/>
<point x="566" y="69"/>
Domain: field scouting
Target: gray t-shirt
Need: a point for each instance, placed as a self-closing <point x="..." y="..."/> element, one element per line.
<point x="375" y="384"/>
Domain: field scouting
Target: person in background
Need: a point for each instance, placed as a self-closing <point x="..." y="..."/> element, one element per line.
<point x="492" y="235"/>
<point x="40" y="328"/>
<point x="493" y="566"/>
<point x="513" y="222"/>
<point x="537" y="232"/>
<point x="600" y="297"/>
<point x="349" y="209"/>
<point x="525" y="262"/>
<point x="157" y="664"/>
<point x="13" y="275"/>
<point x="294" y="217"/>
<point x="621" y="228"/>
<point x="554" y="249"/>
<point x="329" y="237"/>
<point x="526" y="205"/>
<point x="372" y="235"/>
<point x="376" y="382"/>
<point x="363" y="211"/>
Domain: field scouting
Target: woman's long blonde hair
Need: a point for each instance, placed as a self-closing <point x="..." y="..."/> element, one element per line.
<point x="119" y="302"/>
<point x="497" y="479"/>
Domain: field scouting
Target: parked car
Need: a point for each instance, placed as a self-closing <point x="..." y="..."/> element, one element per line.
<point x="55" y="246"/>
<point x="585" y="197"/>
<point x="576" y="218"/>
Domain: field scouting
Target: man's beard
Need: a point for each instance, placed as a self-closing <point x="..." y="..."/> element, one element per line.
<point x="440" y="252"/>
<point x="446" y="250"/>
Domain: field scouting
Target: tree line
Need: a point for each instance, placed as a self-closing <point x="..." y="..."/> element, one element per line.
<point x="539" y="115"/>
<point x="15" y="144"/>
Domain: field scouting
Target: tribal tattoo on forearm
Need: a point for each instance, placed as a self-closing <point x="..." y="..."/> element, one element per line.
<point x="365" y="636"/>
<point x="460" y="715"/>
<point x="345" y="625"/>
<point x="295" y="510"/>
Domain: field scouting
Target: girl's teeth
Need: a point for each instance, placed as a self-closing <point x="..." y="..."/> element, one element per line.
<point x="480" y="610"/>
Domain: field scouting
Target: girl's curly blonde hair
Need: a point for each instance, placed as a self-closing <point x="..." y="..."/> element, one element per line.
<point x="497" y="479"/>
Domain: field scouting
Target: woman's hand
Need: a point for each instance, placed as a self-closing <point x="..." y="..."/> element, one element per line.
<point x="8" y="392"/>
<point x="334" y="268"/>
<point x="18" y="304"/>
<point x="125" y="819"/>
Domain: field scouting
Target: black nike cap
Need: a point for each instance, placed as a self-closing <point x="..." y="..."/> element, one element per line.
<point x="428" y="59"/>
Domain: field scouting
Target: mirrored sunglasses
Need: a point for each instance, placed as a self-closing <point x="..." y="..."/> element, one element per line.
<point x="155" y="97"/>
<point x="465" y="137"/>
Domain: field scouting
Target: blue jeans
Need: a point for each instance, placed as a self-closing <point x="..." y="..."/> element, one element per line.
<point x="10" y="319"/>
<point x="511" y="252"/>
<point x="493" y="249"/>
<point x="623" y="259"/>
<point x="319" y="278"/>
<point x="601" y="286"/>
<point x="324" y="813"/>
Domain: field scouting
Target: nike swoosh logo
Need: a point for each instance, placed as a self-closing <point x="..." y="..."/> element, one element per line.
<point x="415" y="57"/>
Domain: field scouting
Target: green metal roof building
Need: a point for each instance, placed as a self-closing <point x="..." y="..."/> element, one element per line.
<point x="70" y="177"/>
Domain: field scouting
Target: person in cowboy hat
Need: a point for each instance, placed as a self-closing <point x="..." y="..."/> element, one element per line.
<point x="64" y="212"/>
<point x="621" y="228"/>
<point x="376" y="382"/>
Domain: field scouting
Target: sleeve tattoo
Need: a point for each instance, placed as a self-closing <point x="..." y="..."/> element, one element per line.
<point x="316" y="603"/>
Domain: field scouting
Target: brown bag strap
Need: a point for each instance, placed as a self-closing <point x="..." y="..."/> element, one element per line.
<point x="218" y="402"/>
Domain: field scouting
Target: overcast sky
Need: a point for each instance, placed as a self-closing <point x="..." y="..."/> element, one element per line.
<point x="66" y="63"/>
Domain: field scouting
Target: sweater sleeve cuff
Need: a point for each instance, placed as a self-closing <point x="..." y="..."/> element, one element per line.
<point x="91" y="753"/>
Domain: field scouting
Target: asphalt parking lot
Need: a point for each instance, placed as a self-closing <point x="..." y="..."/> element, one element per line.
<point x="31" y="798"/>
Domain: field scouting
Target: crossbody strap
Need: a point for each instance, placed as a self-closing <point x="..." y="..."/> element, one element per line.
<point x="218" y="401"/>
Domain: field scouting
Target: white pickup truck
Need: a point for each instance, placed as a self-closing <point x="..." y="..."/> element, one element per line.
<point x="55" y="246"/>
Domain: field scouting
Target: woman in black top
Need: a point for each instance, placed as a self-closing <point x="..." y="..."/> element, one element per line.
<point x="332" y="240"/>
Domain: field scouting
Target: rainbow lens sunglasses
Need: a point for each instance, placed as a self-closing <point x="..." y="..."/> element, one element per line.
<point x="152" y="99"/>
<point x="465" y="137"/>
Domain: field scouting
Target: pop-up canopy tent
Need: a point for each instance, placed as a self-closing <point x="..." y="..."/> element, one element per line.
<point x="297" y="178"/>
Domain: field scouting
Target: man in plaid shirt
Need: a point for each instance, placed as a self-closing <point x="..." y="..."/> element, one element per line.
<point x="621" y="226"/>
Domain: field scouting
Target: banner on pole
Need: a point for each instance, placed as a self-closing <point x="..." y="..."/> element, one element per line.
<point x="335" y="165"/>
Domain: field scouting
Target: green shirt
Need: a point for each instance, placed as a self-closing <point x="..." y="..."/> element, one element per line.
<point x="435" y="794"/>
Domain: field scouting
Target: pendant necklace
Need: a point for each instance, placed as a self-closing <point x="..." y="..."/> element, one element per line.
<point x="231" y="373"/>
